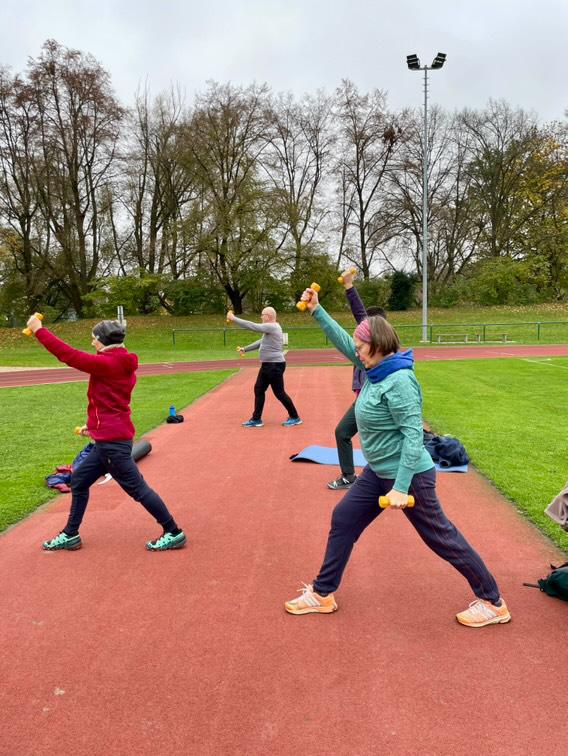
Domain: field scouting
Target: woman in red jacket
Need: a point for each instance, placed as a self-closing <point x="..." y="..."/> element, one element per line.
<point x="112" y="372"/>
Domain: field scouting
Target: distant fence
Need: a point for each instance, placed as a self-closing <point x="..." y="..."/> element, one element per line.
<point x="306" y="337"/>
<point x="218" y="338"/>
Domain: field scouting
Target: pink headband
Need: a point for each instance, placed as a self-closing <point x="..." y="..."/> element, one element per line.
<point x="363" y="332"/>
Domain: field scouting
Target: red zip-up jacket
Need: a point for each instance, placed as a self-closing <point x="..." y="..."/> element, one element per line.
<point x="112" y="380"/>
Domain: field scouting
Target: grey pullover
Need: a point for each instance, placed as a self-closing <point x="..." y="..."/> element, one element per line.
<point x="270" y="344"/>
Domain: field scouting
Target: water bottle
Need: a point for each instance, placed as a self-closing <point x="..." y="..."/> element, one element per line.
<point x="172" y="411"/>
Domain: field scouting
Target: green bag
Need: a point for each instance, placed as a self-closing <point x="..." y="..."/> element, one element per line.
<point x="556" y="584"/>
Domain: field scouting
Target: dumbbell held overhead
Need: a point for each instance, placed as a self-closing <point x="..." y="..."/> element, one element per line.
<point x="351" y="271"/>
<point x="302" y="305"/>
<point x="28" y="331"/>
<point x="384" y="502"/>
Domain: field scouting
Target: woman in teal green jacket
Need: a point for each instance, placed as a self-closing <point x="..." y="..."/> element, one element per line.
<point x="389" y="419"/>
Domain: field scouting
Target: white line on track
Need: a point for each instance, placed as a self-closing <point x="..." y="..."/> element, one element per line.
<point x="545" y="361"/>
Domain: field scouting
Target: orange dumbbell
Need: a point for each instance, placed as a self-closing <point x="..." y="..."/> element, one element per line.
<point x="351" y="270"/>
<point x="303" y="305"/>
<point x="28" y="331"/>
<point x="384" y="502"/>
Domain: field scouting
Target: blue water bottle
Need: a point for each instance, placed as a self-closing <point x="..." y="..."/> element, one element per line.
<point x="172" y="411"/>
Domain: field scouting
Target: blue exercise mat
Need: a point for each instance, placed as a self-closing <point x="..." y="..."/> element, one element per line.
<point x="327" y="455"/>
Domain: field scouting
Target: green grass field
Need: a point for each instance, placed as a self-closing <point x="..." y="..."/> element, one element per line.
<point x="36" y="433"/>
<point x="210" y="338"/>
<point x="512" y="416"/>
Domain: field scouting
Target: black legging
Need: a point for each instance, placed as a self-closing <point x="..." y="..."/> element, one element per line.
<point x="345" y="430"/>
<point x="271" y="374"/>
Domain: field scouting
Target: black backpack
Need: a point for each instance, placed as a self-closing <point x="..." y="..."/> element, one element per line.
<point x="445" y="450"/>
<point x="556" y="584"/>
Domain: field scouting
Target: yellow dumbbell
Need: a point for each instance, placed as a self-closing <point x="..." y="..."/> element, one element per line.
<point x="351" y="270"/>
<point x="384" y="502"/>
<point x="77" y="430"/>
<point x="302" y="306"/>
<point x="28" y="331"/>
<point x="241" y="354"/>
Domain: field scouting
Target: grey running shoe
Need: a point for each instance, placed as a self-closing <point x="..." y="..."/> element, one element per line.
<point x="341" y="483"/>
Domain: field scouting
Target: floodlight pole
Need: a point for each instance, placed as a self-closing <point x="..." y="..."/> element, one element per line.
<point x="425" y="167"/>
<point x="413" y="64"/>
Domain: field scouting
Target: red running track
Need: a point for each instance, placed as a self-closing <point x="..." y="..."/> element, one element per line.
<point x="112" y="650"/>
<point x="13" y="378"/>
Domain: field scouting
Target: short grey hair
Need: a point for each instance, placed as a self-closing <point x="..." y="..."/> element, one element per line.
<point x="270" y="311"/>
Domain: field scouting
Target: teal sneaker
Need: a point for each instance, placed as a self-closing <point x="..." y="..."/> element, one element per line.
<point x="292" y="421"/>
<point x="63" y="541"/>
<point x="253" y="424"/>
<point x="167" y="541"/>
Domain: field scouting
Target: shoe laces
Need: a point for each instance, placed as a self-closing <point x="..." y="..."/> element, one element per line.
<point x="481" y="608"/>
<point x="336" y="483"/>
<point x="163" y="539"/>
<point x="308" y="595"/>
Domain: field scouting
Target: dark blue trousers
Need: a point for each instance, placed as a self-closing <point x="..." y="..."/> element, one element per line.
<point x="360" y="506"/>
<point x="114" y="457"/>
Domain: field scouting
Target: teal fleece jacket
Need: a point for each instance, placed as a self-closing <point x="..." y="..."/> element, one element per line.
<point x="388" y="413"/>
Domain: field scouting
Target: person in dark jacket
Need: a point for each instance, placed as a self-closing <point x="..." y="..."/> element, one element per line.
<point x="112" y="372"/>
<point x="347" y="427"/>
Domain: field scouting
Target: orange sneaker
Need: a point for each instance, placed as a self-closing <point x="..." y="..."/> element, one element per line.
<point x="481" y="613"/>
<point x="310" y="601"/>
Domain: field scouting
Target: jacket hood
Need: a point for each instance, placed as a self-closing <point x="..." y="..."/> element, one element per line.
<point x="398" y="361"/>
<point x="128" y="361"/>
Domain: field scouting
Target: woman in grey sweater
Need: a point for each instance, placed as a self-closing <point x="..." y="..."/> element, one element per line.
<point x="272" y="366"/>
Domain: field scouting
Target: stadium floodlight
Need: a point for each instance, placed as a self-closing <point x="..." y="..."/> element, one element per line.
<point x="439" y="60"/>
<point x="413" y="64"/>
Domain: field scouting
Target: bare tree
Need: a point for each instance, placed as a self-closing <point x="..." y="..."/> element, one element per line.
<point x="299" y="154"/>
<point x="223" y="149"/>
<point x="28" y="238"/>
<point x="78" y="121"/>
<point x="158" y="187"/>
<point x="370" y="139"/>
<point x="452" y="227"/>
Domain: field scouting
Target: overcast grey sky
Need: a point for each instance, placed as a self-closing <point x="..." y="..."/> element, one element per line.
<point x="511" y="49"/>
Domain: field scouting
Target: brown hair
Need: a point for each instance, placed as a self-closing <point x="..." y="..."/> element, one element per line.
<point x="384" y="338"/>
<point x="376" y="311"/>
